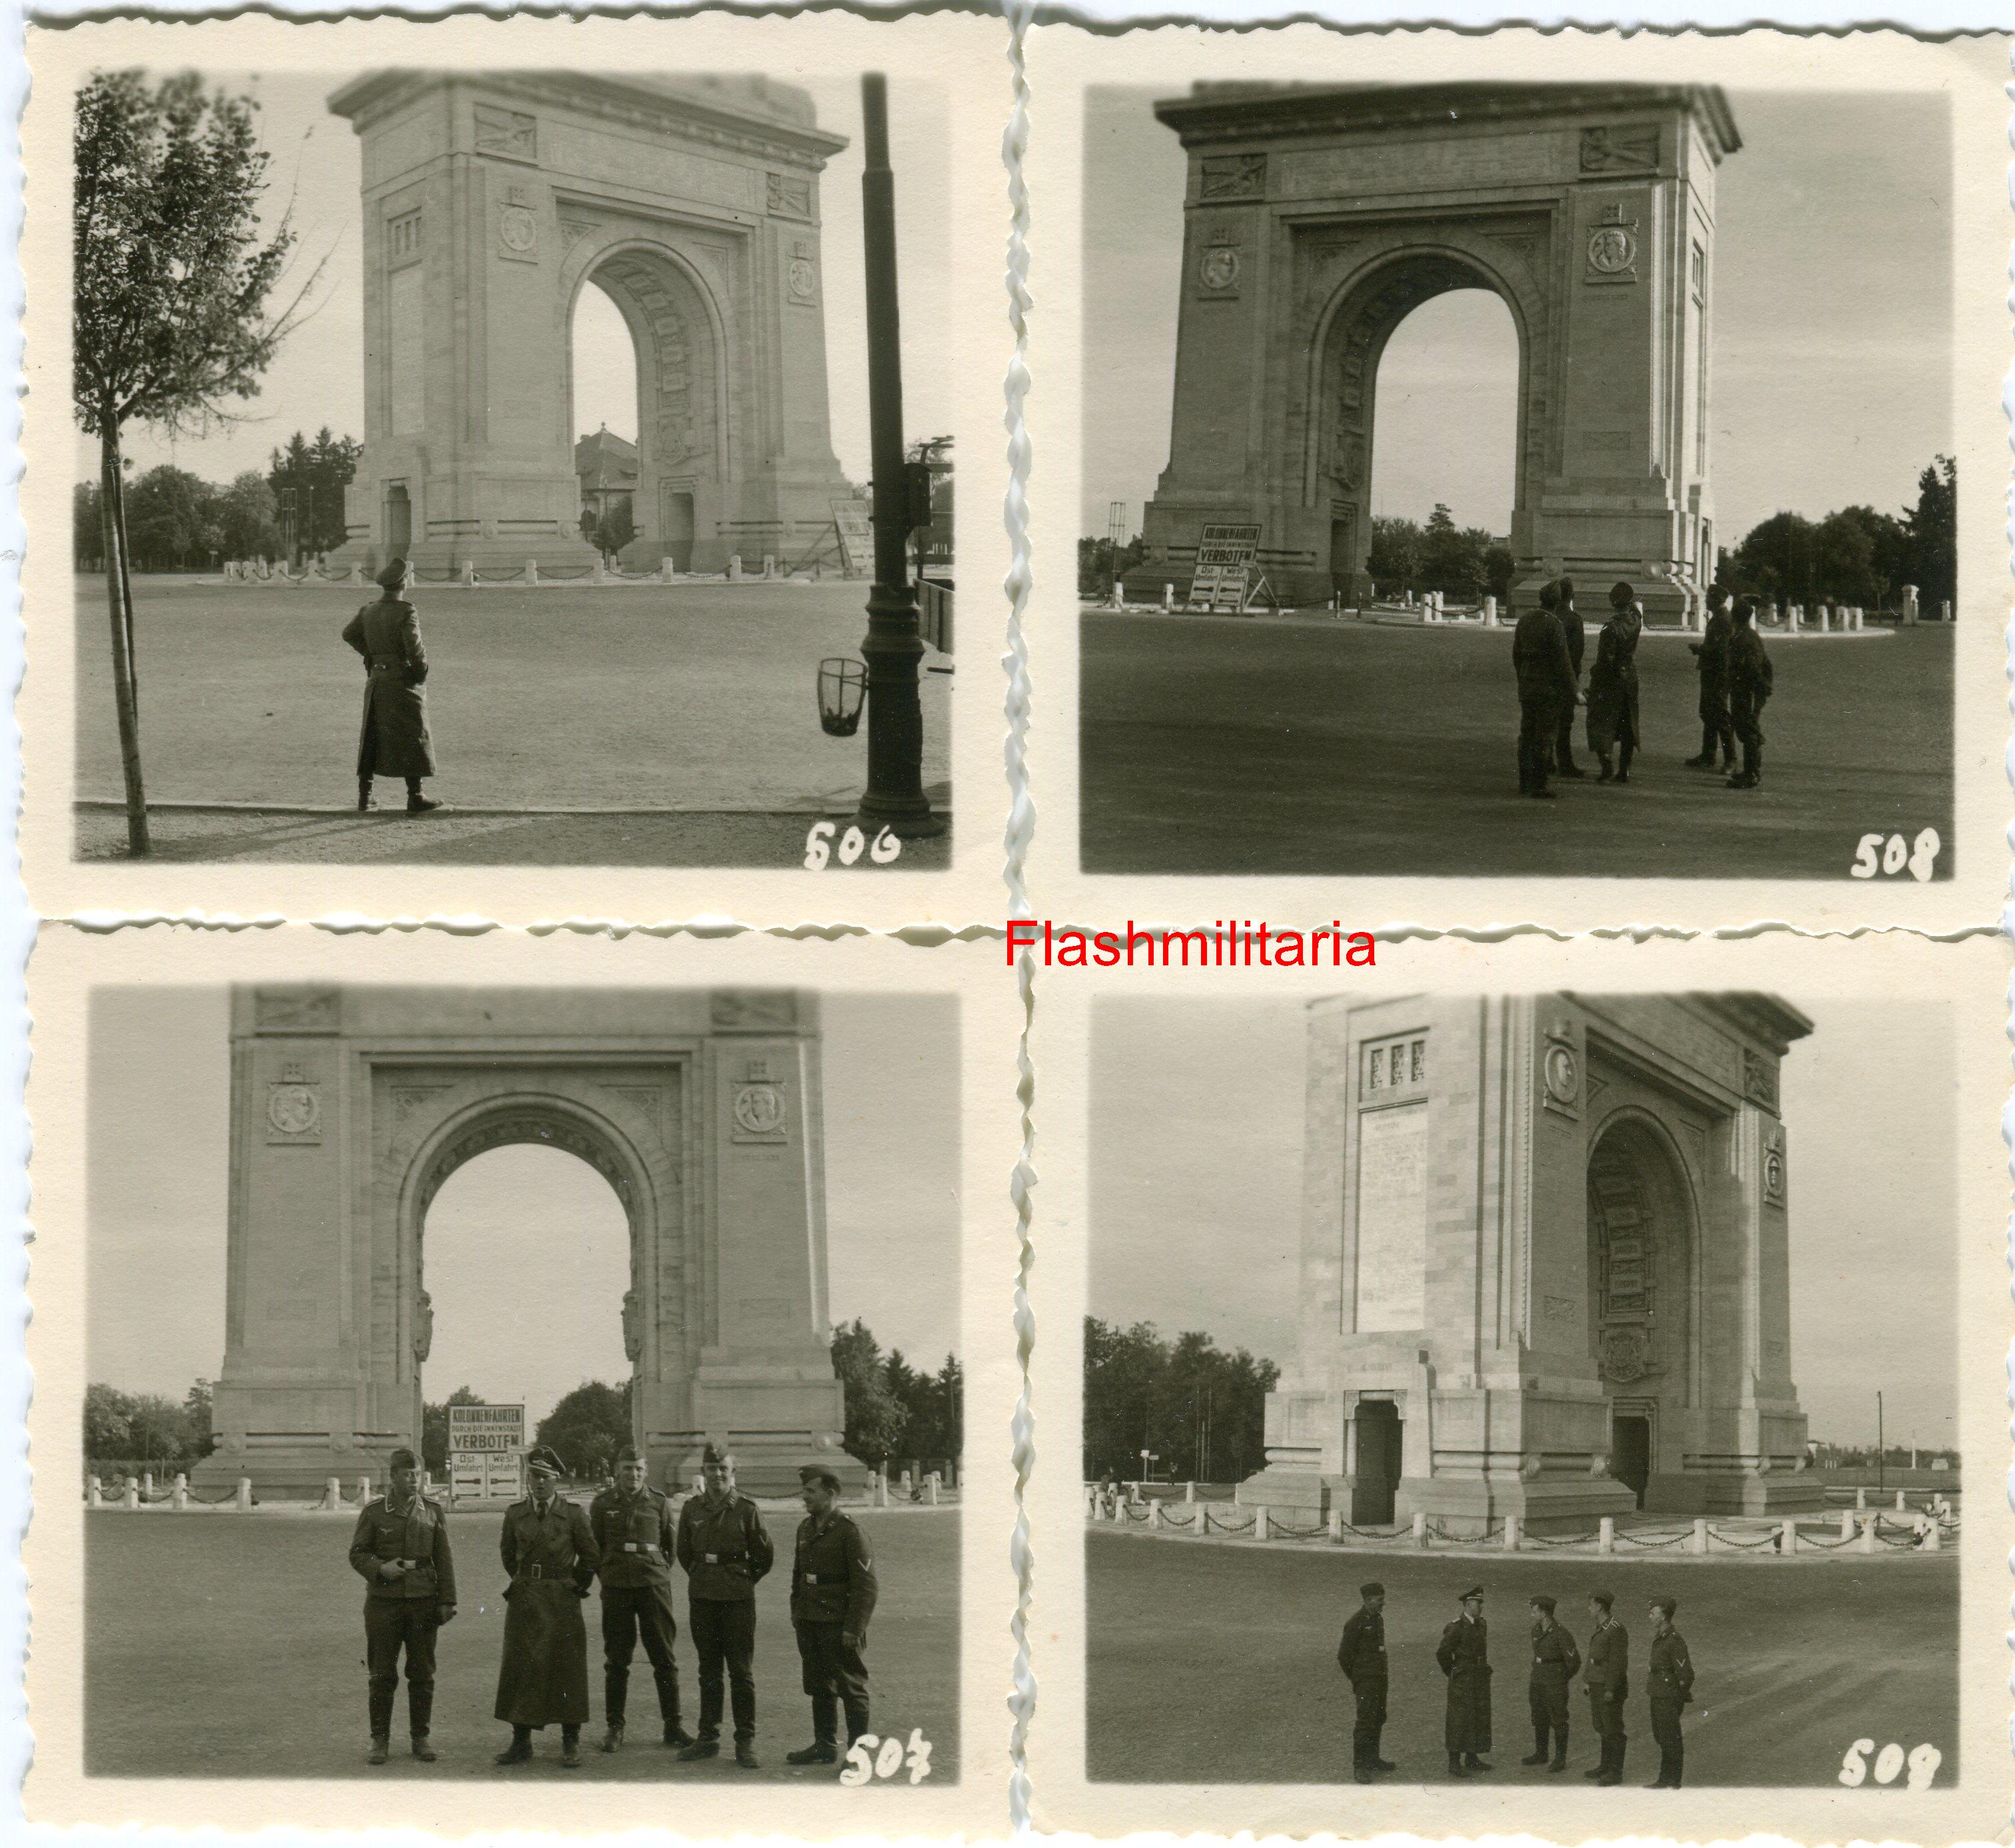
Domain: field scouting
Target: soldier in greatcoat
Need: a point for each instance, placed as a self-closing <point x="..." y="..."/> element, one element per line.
<point x="1711" y="658"/>
<point x="1361" y="1655"/>
<point x="1547" y="689"/>
<point x="632" y="1524"/>
<point x="1612" y="686"/>
<point x="549" y="1552"/>
<point x="394" y="741"/>
<point x="1464" y="1656"/>
<point x="1555" y="1661"/>
<point x="1608" y="1684"/>
<point x="1669" y="1686"/>
<point x="400" y="1549"/>
<point x="725" y="1551"/>
<point x="1751" y="679"/>
<point x="832" y="1596"/>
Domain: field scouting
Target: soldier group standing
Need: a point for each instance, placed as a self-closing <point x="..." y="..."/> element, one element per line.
<point x="553" y="1551"/>
<point x="1463" y="1657"/>
<point x="1546" y="650"/>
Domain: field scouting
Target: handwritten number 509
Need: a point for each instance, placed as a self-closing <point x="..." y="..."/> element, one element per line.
<point x="1873" y="855"/>
<point x="1889" y="1762"/>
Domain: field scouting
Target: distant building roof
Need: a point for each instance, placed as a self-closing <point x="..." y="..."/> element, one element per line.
<point x="604" y="462"/>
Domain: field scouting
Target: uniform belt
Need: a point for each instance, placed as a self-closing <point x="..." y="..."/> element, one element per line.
<point x="537" y="1572"/>
<point x="812" y="1578"/>
<point x="639" y="1546"/>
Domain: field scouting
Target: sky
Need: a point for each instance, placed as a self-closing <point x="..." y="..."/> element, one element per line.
<point x="159" y="1163"/>
<point x="1195" y="1207"/>
<point x="1831" y="373"/>
<point x="318" y="377"/>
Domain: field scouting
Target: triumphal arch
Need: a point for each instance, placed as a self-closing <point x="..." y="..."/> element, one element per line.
<point x="1316" y="219"/>
<point x="349" y="1106"/>
<point x="1545" y="1264"/>
<point x="490" y="201"/>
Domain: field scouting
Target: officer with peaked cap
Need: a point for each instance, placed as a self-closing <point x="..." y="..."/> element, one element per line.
<point x="549" y="1552"/>
<point x="634" y="1534"/>
<point x="400" y="1549"/>
<point x="832" y="1596"/>
<point x="1361" y="1655"/>
<point x="1464" y="1656"/>
<point x="725" y="1551"/>
<point x="395" y="742"/>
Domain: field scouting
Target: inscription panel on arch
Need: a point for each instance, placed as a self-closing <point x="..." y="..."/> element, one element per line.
<point x="1422" y="166"/>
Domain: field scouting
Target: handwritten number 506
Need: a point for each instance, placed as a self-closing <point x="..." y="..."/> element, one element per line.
<point x="818" y="851"/>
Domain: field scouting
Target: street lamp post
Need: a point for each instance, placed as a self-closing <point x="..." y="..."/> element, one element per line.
<point x="894" y="798"/>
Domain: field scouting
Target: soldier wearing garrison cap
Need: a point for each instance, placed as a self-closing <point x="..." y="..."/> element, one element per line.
<point x="634" y="1534"/>
<point x="1361" y="1655"/>
<point x="395" y="741"/>
<point x="1555" y="1661"/>
<point x="725" y="1551"/>
<point x="549" y="1552"/>
<point x="1463" y="1655"/>
<point x="401" y="1549"/>
<point x="832" y="1596"/>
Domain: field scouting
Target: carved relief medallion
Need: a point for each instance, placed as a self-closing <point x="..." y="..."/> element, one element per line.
<point x="293" y="1112"/>
<point x="1611" y="249"/>
<point x="518" y="230"/>
<point x="759" y="1113"/>
<point x="1625" y="1355"/>
<point x="1218" y="267"/>
<point x="801" y="278"/>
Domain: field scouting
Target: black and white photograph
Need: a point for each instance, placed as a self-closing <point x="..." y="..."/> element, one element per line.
<point x="1518" y="460"/>
<point x="1512" y="1397"/>
<point x="487" y="1383"/>
<point x="512" y="465"/>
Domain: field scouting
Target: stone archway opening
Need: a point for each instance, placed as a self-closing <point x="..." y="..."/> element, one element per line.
<point x="1368" y="327"/>
<point x="673" y="475"/>
<point x="1642" y="1238"/>
<point x="525" y="1258"/>
<point x="1445" y="423"/>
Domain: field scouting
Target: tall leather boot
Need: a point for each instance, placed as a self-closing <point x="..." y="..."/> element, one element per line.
<point x="615" y="1698"/>
<point x="416" y="803"/>
<point x="667" y="1680"/>
<point x="1560" y="1749"/>
<point x="570" y="1745"/>
<point x="1456" y="1767"/>
<point x="420" y="1719"/>
<point x="1538" y="1754"/>
<point x="363" y="794"/>
<point x="825" y="1748"/>
<point x="381" y="1723"/>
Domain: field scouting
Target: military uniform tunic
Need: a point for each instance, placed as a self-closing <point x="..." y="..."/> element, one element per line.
<point x="1361" y="1655"/>
<point x="403" y="1613"/>
<point x="1612" y="684"/>
<point x="634" y="1537"/>
<point x="1546" y="687"/>
<point x="1608" y="1684"/>
<point x="1464" y="1656"/>
<point x="1555" y="1661"/>
<point x="1710" y="657"/>
<point x="1751" y="680"/>
<point x="1669" y="1686"/>
<point x="833" y="1593"/>
<point x="725" y="1551"/>
<point x="550" y="1555"/>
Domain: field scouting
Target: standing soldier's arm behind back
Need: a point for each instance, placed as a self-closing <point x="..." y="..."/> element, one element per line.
<point x="415" y="653"/>
<point x="352" y="633"/>
<point x="762" y="1555"/>
<point x="668" y="1537"/>
<point x="443" y="1558"/>
<point x="683" y="1544"/>
<point x="862" y="1589"/>
<point x="587" y="1555"/>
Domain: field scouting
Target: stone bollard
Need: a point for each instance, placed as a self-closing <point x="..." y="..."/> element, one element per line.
<point x="1263" y="1528"/>
<point x="599" y="574"/>
<point x="904" y="1485"/>
<point x="132" y="1498"/>
<point x="1490" y="612"/>
<point x="1512" y="1524"/>
<point x="146" y="1481"/>
<point x="1902" y="1507"/>
<point x="1910" y="606"/>
<point x="1933" y="1539"/>
<point x="735" y="568"/>
<point x="880" y="1489"/>
<point x="1336" y="1524"/>
<point x="531" y="570"/>
<point x="245" y="1494"/>
<point x="666" y="570"/>
<point x="931" y="1488"/>
<point x="1167" y="596"/>
<point x="1847" y="1524"/>
<point x="769" y="564"/>
<point x="1787" y="1538"/>
<point x="1945" y="610"/>
<point x="469" y="571"/>
<point x="332" y="1495"/>
<point x="364" y="1489"/>
<point x="1868" y="1533"/>
<point x="1860" y="1501"/>
<point x="1768" y="619"/>
<point x="1605" y="1534"/>
<point x="1699" y="1538"/>
<point x="1189" y="1491"/>
<point x="94" y="1492"/>
<point x="1154" y="1512"/>
<point x="181" y="1493"/>
<point x="1420" y="1531"/>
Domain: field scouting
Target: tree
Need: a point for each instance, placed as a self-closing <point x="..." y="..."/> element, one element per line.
<point x="1931" y="531"/>
<point x="588" y="1427"/>
<point x="86" y="537"/>
<point x="247" y="518"/>
<point x="1201" y="1411"/>
<point x="170" y="319"/>
<point x="108" y="1422"/>
<point x="616" y="529"/>
<point x="196" y="1420"/>
<point x="171" y="518"/>
<point x="433" y="1426"/>
<point x="1098" y="567"/>
<point x="1395" y="563"/>
<point x="874" y="1419"/>
<point x="307" y="479"/>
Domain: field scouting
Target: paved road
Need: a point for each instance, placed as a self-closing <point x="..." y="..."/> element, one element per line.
<point x="1227" y="746"/>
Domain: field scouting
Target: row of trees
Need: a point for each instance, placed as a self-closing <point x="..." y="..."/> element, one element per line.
<point x="1857" y="555"/>
<point x="892" y="1411"/>
<point x="1201" y="1413"/>
<point x="1464" y="563"/>
<point x="175" y="520"/>
<point x="145" y="1427"/>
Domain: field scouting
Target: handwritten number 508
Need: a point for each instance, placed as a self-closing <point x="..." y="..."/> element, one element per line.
<point x="1873" y="855"/>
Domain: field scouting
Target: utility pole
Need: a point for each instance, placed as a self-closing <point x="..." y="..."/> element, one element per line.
<point x="1881" y="1450"/>
<point x="894" y="798"/>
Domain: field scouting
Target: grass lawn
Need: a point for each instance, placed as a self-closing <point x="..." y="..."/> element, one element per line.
<point x="1228" y="746"/>
<point x="1217" y="1664"/>
<point x="696" y="697"/>
<point x="223" y="1646"/>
